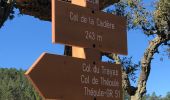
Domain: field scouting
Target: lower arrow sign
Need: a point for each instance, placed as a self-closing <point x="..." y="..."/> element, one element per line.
<point x="66" y="78"/>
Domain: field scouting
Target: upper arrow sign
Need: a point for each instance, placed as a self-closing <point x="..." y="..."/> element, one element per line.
<point x="67" y="78"/>
<point x="79" y="26"/>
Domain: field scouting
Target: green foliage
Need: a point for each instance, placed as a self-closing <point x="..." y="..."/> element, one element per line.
<point x="14" y="86"/>
<point x="162" y="20"/>
<point x="130" y="68"/>
<point x="167" y="96"/>
<point x="138" y="17"/>
<point x="126" y="96"/>
<point x="153" y="96"/>
<point x="6" y="11"/>
<point x="162" y="15"/>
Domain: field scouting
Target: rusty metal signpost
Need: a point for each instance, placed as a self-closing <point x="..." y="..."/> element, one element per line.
<point x="67" y="78"/>
<point x="78" y="26"/>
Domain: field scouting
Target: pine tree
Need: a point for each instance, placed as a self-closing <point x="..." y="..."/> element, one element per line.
<point x="15" y="86"/>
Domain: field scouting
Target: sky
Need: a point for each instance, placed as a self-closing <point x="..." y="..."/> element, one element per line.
<point x="25" y="38"/>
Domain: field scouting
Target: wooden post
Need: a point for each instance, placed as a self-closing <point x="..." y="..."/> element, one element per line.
<point x="86" y="53"/>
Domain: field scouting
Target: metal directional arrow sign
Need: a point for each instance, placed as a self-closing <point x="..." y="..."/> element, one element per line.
<point x="67" y="78"/>
<point x="79" y="26"/>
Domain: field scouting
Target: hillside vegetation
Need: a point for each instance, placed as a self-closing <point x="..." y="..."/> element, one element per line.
<point x="14" y="86"/>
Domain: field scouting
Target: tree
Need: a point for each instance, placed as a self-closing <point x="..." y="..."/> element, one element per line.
<point x="154" y="96"/>
<point x="155" y="24"/>
<point x="158" y="27"/>
<point x="15" y="86"/>
<point x="167" y="96"/>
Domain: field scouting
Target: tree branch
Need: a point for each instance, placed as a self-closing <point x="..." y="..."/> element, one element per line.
<point x="125" y="79"/>
<point x="42" y="8"/>
<point x="150" y="31"/>
<point x="145" y="69"/>
<point x="5" y="10"/>
<point x="38" y="8"/>
<point x="146" y="64"/>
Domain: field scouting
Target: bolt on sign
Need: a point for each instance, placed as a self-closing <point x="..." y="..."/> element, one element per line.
<point x="67" y="78"/>
<point x="79" y="26"/>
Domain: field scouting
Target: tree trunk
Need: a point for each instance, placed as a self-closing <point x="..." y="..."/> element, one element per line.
<point x="138" y="92"/>
<point x="146" y="65"/>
